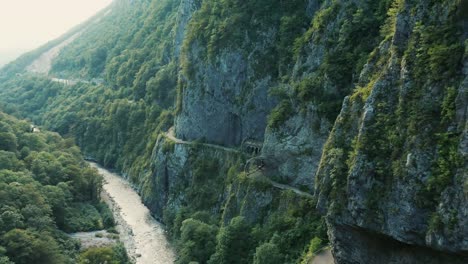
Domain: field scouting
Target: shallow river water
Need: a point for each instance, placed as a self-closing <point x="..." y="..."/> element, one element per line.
<point x="141" y="234"/>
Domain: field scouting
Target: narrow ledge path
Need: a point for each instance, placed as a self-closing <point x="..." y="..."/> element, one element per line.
<point x="290" y="188"/>
<point x="171" y="136"/>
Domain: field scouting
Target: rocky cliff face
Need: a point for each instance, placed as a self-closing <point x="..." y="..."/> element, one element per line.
<point x="229" y="67"/>
<point x="175" y="175"/>
<point x="216" y="104"/>
<point x="329" y="57"/>
<point x="393" y="173"/>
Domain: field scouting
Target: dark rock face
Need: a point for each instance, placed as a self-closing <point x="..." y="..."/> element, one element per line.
<point x="356" y="246"/>
<point x="217" y="105"/>
<point x="296" y="147"/>
<point x="234" y="129"/>
<point x="380" y="177"/>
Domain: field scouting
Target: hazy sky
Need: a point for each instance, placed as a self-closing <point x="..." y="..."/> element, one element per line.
<point x="27" y="24"/>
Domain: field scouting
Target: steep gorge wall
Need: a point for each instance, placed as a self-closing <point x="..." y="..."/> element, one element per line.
<point x="271" y="63"/>
<point x="176" y="172"/>
<point x="393" y="172"/>
<point x="233" y="54"/>
<point x="328" y="59"/>
<point x="201" y="182"/>
<point x="394" y="168"/>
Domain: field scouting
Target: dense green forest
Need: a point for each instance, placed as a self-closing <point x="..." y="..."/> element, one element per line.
<point x="375" y="89"/>
<point x="108" y="120"/>
<point x="47" y="190"/>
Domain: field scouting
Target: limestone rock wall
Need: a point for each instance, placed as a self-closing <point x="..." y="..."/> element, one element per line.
<point x="393" y="172"/>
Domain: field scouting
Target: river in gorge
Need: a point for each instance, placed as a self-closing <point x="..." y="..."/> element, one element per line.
<point x="143" y="237"/>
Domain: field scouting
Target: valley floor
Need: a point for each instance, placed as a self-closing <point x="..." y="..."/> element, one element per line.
<point x="143" y="237"/>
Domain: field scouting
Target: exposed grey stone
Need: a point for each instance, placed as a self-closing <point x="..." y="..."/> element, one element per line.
<point x="295" y="148"/>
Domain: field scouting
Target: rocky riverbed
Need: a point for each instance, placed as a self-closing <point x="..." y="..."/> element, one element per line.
<point x="143" y="237"/>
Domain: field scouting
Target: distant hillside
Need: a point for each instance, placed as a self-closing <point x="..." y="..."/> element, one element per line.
<point x="8" y="56"/>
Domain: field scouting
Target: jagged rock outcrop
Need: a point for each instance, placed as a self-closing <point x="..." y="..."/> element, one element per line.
<point x="328" y="59"/>
<point x="392" y="179"/>
<point x="177" y="169"/>
<point x="230" y="63"/>
<point x="293" y="152"/>
<point x="223" y="102"/>
<point x="185" y="13"/>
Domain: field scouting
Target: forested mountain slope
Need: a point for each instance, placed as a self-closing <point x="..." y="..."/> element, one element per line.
<point x="46" y="189"/>
<point x="361" y="103"/>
